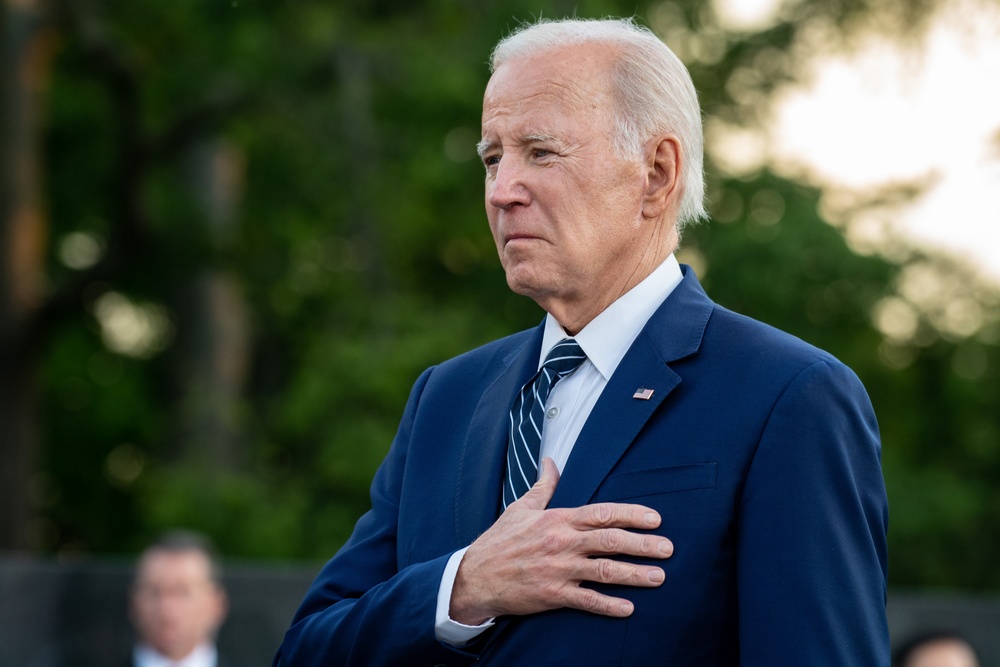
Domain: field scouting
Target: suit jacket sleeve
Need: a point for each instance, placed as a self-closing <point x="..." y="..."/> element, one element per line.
<point x="362" y="609"/>
<point x="811" y="528"/>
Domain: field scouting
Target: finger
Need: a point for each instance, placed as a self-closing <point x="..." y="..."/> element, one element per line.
<point x="607" y="571"/>
<point x="539" y="495"/>
<point x="618" y="541"/>
<point x="615" y="515"/>
<point x="587" y="599"/>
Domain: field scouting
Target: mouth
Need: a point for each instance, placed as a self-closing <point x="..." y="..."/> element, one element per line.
<point x="515" y="241"/>
<point x="521" y="236"/>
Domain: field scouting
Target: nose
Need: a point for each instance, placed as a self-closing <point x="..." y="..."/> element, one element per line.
<point x="505" y="187"/>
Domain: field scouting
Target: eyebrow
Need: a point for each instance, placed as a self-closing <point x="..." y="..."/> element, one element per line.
<point x="482" y="147"/>
<point x="485" y="145"/>
<point x="538" y="137"/>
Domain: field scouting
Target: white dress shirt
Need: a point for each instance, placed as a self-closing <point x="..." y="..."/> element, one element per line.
<point x="203" y="655"/>
<point x="604" y="340"/>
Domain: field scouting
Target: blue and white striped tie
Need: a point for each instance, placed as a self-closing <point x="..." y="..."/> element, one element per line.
<point x="526" y="418"/>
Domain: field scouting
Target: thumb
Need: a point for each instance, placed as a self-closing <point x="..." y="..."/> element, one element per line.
<point x="539" y="495"/>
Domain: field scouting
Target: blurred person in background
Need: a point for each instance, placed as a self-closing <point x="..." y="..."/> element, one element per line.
<point x="941" y="648"/>
<point x="177" y="603"/>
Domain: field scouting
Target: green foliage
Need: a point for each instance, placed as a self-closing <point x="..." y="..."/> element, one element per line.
<point x="362" y="255"/>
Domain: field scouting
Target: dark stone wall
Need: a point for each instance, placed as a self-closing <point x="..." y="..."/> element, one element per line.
<point x="72" y="614"/>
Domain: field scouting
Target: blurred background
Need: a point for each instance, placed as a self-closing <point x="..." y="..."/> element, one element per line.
<point x="232" y="233"/>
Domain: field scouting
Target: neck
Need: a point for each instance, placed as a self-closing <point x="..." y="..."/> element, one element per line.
<point x="574" y="314"/>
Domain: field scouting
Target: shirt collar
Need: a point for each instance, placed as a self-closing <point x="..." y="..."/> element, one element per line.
<point x="607" y="337"/>
<point x="203" y="655"/>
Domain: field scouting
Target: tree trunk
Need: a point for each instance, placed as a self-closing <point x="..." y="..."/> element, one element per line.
<point x="213" y="338"/>
<point x="26" y="47"/>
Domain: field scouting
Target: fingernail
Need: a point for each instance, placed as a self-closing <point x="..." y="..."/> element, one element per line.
<point x="651" y="518"/>
<point x="666" y="547"/>
<point x="655" y="576"/>
<point x="626" y="608"/>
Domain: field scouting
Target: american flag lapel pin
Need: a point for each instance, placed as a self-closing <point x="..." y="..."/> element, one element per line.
<point x="643" y="394"/>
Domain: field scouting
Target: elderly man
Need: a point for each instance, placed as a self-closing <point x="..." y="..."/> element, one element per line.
<point x="644" y="479"/>
<point x="177" y="603"/>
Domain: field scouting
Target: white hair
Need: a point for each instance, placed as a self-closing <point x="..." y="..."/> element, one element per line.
<point x="653" y="91"/>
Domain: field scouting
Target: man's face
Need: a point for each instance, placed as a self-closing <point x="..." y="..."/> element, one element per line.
<point x="175" y="603"/>
<point x="943" y="653"/>
<point x="565" y="212"/>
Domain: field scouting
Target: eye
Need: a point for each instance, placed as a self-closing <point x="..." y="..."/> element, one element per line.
<point x="539" y="153"/>
<point x="491" y="162"/>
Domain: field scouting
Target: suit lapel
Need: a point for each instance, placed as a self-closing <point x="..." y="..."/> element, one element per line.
<point x="483" y="458"/>
<point x="614" y="423"/>
<point x="673" y="332"/>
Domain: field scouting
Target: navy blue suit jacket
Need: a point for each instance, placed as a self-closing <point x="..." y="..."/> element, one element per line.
<point x="760" y="452"/>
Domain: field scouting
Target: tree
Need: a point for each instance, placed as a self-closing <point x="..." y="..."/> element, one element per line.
<point x="358" y="250"/>
<point x="27" y="50"/>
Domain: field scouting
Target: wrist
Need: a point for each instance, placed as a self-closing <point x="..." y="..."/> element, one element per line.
<point x="464" y="607"/>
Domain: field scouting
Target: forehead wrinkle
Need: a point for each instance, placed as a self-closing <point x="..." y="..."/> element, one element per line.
<point x="558" y="96"/>
<point x="559" y="91"/>
<point x="538" y="136"/>
<point x="543" y="107"/>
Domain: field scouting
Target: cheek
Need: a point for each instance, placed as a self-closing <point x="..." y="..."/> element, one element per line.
<point x="494" y="228"/>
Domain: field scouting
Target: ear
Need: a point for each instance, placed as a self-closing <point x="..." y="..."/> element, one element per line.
<point x="220" y="608"/>
<point x="663" y="167"/>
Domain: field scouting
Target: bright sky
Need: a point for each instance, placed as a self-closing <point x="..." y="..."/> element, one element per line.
<point x="889" y="113"/>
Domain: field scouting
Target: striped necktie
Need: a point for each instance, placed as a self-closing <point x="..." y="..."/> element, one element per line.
<point x="526" y="418"/>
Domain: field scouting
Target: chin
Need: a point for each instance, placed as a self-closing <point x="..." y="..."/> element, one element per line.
<point x="521" y="285"/>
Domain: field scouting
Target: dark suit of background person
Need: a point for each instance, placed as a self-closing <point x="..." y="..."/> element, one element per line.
<point x="177" y="603"/>
<point x="755" y="455"/>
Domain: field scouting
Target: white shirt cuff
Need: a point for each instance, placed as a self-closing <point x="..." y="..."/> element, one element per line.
<point x="445" y="629"/>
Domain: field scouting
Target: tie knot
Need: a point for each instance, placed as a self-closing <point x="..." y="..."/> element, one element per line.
<point x="564" y="357"/>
